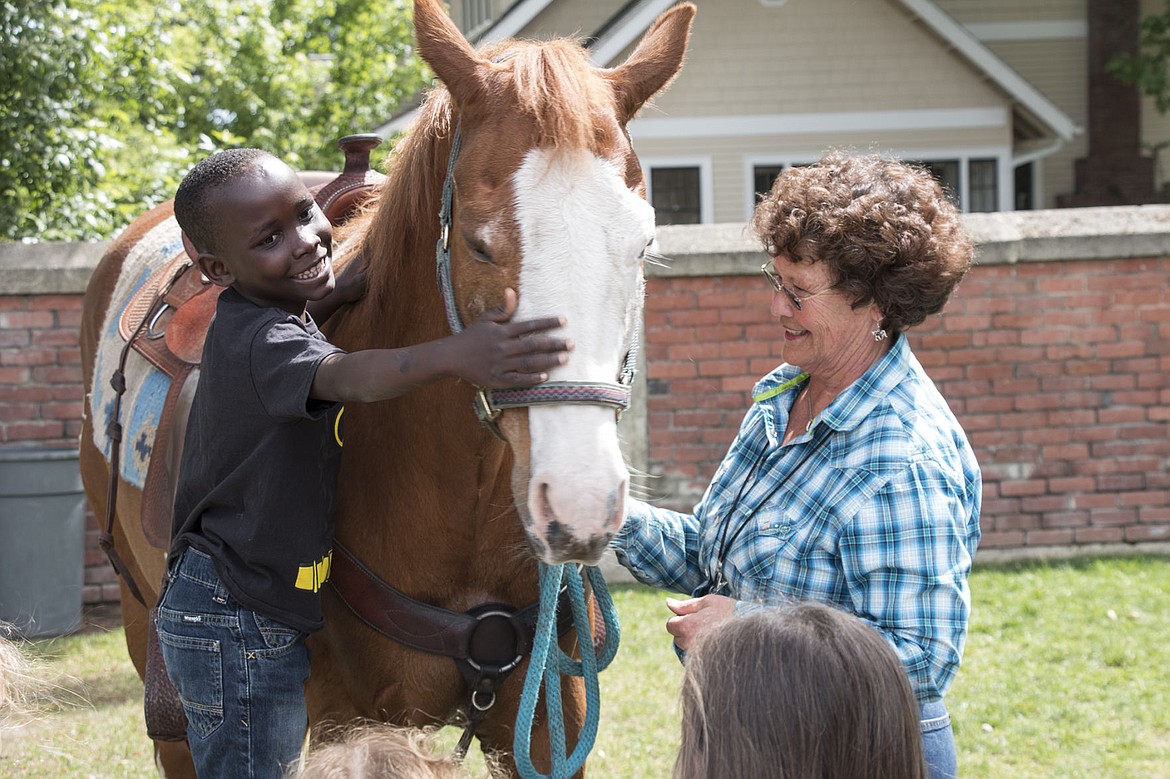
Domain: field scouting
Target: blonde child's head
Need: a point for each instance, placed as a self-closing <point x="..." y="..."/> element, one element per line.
<point x="379" y="751"/>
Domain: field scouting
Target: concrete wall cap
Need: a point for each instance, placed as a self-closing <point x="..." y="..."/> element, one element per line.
<point x="1007" y="237"/>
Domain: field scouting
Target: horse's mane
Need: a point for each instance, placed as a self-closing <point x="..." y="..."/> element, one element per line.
<point x="552" y="82"/>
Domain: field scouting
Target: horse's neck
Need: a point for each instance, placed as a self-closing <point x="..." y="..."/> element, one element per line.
<point x="422" y="459"/>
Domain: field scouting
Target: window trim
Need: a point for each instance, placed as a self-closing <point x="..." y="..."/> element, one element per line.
<point x="1005" y="170"/>
<point x="706" y="189"/>
<point x="752" y="161"/>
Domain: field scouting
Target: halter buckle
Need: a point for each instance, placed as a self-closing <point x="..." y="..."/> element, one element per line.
<point x="483" y="406"/>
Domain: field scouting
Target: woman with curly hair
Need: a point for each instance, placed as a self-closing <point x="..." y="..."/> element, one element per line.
<point x="850" y="481"/>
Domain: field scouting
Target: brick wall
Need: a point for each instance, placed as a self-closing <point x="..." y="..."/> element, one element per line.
<point x="41" y="397"/>
<point x="1058" y="368"/>
<point x="1058" y="371"/>
<point x="40" y="369"/>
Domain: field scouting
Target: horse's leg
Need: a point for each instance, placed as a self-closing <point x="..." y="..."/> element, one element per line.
<point x="358" y="675"/>
<point x="172" y="758"/>
<point x="325" y="698"/>
<point x="146" y="564"/>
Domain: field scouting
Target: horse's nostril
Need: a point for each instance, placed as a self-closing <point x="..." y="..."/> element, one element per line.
<point x="547" y="512"/>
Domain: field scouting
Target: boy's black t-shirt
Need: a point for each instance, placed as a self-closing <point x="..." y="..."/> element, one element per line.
<point x="259" y="470"/>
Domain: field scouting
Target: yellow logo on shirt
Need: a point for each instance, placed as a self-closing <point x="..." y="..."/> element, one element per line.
<point x="312" y="577"/>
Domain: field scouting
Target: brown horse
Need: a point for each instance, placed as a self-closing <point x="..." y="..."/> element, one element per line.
<point x="547" y="198"/>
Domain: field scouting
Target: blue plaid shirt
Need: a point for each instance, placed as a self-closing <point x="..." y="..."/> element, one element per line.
<point x="876" y="510"/>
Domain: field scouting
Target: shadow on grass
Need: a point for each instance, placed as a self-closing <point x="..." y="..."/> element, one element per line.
<point x="112" y="689"/>
<point x="1073" y="562"/>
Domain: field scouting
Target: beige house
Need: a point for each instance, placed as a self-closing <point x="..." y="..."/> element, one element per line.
<point x="994" y="95"/>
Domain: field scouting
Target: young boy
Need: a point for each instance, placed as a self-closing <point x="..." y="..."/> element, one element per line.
<point x="252" y="528"/>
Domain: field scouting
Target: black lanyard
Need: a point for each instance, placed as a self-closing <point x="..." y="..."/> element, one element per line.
<point x="726" y="543"/>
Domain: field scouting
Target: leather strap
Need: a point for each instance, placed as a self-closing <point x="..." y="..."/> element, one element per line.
<point x="114" y="433"/>
<point x="419" y="625"/>
<point x="486" y="643"/>
<point x="158" y="491"/>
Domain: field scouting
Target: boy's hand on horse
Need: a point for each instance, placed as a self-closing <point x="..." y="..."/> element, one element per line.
<point x="492" y="352"/>
<point x="499" y="353"/>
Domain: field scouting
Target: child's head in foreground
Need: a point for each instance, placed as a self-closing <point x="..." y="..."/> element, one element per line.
<point x="797" y="691"/>
<point x="380" y="751"/>
<point x="21" y="685"/>
<point x="252" y="224"/>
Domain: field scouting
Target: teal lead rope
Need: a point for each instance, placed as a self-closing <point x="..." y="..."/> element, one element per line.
<point x="548" y="663"/>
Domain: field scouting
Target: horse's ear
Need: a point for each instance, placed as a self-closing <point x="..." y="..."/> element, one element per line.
<point x="448" y="53"/>
<point x="655" y="62"/>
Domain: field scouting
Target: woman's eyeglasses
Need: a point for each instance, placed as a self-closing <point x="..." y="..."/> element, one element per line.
<point x="778" y="285"/>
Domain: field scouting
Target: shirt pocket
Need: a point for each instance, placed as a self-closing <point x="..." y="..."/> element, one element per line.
<point x="765" y="556"/>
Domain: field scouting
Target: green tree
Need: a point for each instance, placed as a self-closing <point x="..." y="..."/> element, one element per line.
<point x="1149" y="68"/>
<point x="114" y="101"/>
<point x="51" y="147"/>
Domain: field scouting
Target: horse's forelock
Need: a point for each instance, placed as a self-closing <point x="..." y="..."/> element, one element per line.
<point x="554" y="83"/>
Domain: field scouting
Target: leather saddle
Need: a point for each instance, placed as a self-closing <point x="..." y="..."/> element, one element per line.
<point x="166" y="322"/>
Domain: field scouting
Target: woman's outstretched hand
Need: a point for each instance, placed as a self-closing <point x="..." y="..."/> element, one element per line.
<point x="696" y="615"/>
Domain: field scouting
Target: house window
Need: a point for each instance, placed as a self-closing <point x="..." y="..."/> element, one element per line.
<point x="674" y="193"/>
<point x="947" y="173"/>
<point x="983" y="191"/>
<point x="971" y="184"/>
<point x="477" y="15"/>
<point x="763" y="177"/>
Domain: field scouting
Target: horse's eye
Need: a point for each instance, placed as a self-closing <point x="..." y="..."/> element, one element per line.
<point x="478" y="250"/>
<point x="650" y="254"/>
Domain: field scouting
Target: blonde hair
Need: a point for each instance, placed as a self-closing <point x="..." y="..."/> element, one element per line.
<point x="22" y="689"/>
<point x="379" y="751"/>
<point x="797" y="691"/>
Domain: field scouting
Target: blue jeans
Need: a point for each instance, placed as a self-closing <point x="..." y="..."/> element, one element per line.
<point x="241" y="676"/>
<point x="938" y="741"/>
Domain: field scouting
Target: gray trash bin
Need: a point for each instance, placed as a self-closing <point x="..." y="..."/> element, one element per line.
<point x="42" y="535"/>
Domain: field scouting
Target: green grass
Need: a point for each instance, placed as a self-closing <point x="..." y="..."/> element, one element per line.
<point x="1066" y="674"/>
<point x="1066" y="671"/>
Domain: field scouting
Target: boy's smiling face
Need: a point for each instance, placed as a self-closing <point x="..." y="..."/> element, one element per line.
<point x="273" y="243"/>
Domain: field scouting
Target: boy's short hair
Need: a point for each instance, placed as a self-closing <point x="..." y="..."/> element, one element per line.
<point x="193" y="198"/>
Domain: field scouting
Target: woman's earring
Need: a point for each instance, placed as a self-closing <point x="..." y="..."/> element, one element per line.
<point x="880" y="334"/>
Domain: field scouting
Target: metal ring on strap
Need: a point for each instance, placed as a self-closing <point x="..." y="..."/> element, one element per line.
<point x="515" y="661"/>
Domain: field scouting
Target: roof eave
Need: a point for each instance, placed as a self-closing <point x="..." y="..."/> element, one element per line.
<point x="997" y="70"/>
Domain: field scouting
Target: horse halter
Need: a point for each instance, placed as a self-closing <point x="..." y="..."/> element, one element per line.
<point x="490" y="403"/>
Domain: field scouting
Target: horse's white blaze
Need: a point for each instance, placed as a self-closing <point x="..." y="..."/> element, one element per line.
<point x="582" y="233"/>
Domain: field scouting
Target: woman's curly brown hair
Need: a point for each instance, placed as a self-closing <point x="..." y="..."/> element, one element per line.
<point x="884" y="228"/>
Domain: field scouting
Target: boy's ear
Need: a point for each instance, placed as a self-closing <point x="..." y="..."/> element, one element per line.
<point x="214" y="269"/>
